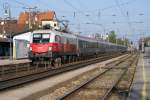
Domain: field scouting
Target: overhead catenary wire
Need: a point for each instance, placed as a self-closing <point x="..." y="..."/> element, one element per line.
<point x="111" y="6"/>
<point x="71" y="5"/>
<point x="126" y="14"/>
<point x="99" y="10"/>
<point x="128" y="18"/>
<point x="21" y="3"/>
<point x="101" y="25"/>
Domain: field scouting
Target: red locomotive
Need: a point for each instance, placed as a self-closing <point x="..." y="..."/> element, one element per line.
<point x="50" y="45"/>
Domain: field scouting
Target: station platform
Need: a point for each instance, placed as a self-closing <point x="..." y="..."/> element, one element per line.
<point x="11" y="62"/>
<point x="140" y="88"/>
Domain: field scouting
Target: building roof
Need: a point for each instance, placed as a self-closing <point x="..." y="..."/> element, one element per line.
<point x="22" y="23"/>
<point x="35" y="17"/>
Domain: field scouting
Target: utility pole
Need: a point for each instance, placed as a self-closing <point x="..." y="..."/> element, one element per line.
<point x="143" y="42"/>
<point x="107" y="36"/>
<point x="30" y="9"/>
<point x="99" y="14"/>
<point x="7" y="16"/>
<point x="124" y="40"/>
<point x="116" y="40"/>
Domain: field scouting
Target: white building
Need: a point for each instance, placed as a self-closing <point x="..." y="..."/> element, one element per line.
<point x="21" y="45"/>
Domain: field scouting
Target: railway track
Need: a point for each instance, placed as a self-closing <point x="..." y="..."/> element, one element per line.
<point x="17" y="76"/>
<point x="14" y="69"/>
<point x="122" y="89"/>
<point x="101" y="85"/>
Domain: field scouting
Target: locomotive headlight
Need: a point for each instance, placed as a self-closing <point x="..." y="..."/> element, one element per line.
<point x="50" y="48"/>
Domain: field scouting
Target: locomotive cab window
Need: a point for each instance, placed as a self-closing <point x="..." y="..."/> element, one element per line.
<point x="41" y="38"/>
<point x="45" y="38"/>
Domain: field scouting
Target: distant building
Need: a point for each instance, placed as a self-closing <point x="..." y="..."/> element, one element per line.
<point x="145" y="42"/>
<point x="101" y="36"/>
<point x="8" y="26"/>
<point x="34" y="19"/>
<point x="144" y="45"/>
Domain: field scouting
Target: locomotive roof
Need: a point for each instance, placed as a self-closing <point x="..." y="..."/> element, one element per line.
<point x="56" y="33"/>
<point x="42" y="31"/>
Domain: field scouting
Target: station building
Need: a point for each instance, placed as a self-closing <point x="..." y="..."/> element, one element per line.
<point x="144" y="46"/>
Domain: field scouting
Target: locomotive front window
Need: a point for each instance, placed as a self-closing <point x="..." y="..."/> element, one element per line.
<point x="45" y="38"/>
<point x="41" y="38"/>
<point x="37" y="36"/>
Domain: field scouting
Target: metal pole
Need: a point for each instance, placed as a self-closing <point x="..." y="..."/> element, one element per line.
<point x="143" y="43"/>
<point x="30" y="19"/>
<point x="10" y="46"/>
<point x="108" y="37"/>
<point x="10" y="36"/>
<point x="124" y="40"/>
<point x="116" y="41"/>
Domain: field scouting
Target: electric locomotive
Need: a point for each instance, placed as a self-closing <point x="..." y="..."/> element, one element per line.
<point x="51" y="44"/>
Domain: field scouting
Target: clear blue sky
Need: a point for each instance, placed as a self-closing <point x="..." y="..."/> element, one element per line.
<point x="123" y="16"/>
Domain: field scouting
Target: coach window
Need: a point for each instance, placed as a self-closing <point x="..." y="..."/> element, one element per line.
<point x="85" y="44"/>
<point x="58" y="39"/>
<point x="65" y="40"/>
<point x="62" y="40"/>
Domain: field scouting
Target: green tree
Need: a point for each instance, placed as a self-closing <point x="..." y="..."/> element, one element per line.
<point x="126" y="41"/>
<point x="120" y="41"/>
<point x="112" y="37"/>
<point x="123" y="42"/>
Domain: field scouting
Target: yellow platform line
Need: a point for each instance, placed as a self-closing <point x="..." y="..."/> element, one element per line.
<point x="144" y="94"/>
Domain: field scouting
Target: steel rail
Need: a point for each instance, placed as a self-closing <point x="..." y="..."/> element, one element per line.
<point x="87" y="82"/>
<point x="46" y="73"/>
<point x="108" y="93"/>
<point x="34" y="69"/>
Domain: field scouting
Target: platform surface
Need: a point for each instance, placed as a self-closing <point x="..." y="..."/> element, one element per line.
<point x="140" y="89"/>
<point x="9" y="62"/>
